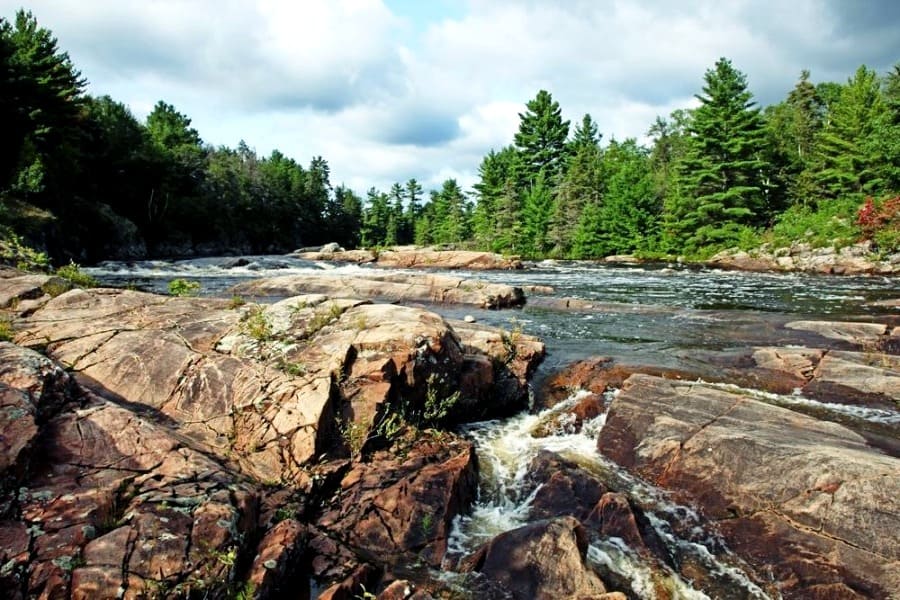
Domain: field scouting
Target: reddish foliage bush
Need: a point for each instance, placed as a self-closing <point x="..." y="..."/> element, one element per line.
<point x="875" y="216"/>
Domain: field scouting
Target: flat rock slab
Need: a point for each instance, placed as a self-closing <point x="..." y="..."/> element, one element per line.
<point x="807" y="497"/>
<point x="855" y="333"/>
<point x="436" y="289"/>
<point x="418" y="258"/>
<point x="446" y="259"/>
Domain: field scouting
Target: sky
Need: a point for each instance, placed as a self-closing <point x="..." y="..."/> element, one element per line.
<point x="387" y="90"/>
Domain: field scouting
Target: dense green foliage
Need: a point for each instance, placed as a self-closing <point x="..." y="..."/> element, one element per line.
<point x="82" y="178"/>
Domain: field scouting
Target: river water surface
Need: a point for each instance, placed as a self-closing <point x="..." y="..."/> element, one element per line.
<point x="663" y="315"/>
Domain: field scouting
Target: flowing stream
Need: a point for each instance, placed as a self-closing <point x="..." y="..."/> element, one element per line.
<point x="663" y="315"/>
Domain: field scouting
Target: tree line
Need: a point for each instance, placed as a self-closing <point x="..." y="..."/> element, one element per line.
<point x="821" y="166"/>
<point x="83" y="178"/>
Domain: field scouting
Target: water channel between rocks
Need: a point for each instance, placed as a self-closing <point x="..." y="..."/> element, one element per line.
<point x="664" y="316"/>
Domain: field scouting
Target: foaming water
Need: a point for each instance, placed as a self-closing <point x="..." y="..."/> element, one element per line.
<point x="507" y="448"/>
<point x="797" y="400"/>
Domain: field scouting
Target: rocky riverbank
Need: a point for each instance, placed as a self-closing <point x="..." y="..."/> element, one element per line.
<point x="857" y="259"/>
<point x="162" y="447"/>
<point x="165" y="447"/>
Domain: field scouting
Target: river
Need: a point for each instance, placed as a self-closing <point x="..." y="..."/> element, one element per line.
<point x="664" y="315"/>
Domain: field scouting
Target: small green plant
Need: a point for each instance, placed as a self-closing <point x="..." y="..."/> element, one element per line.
<point x="247" y="591"/>
<point x="365" y="594"/>
<point x="6" y="330"/>
<point x="184" y="287"/>
<point x="236" y="302"/>
<point x="75" y="275"/>
<point x="354" y="435"/>
<point x="427" y="522"/>
<point x="295" y="369"/>
<point x="361" y="323"/>
<point x="511" y="341"/>
<point x="320" y="320"/>
<point x="55" y="287"/>
<point x="438" y="403"/>
<point x="256" y="324"/>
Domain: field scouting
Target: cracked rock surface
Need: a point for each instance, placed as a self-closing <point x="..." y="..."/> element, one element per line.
<point x="163" y="447"/>
<point x="807" y="501"/>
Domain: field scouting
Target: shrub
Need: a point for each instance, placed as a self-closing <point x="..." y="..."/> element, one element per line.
<point x="255" y="324"/>
<point x="831" y="223"/>
<point x="73" y="273"/>
<point x="880" y="222"/>
<point x="14" y="253"/>
<point x="184" y="287"/>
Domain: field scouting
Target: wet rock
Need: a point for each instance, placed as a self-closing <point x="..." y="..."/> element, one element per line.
<point x="806" y="495"/>
<point x="360" y="581"/>
<point x="564" y="488"/>
<point x="597" y="375"/>
<point x="541" y="560"/>
<point x="857" y="378"/>
<point x="570" y="418"/>
<point x="514" y="357"/>
<point x="437" y="289"/>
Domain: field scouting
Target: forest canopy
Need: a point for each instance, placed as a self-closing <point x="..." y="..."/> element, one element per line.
<point x="82" y="178"/>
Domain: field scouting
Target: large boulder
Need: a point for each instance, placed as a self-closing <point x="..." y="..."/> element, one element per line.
<point x="805" y="500"/>
<point x="265" y="385"/>
<point x="542" y="560"/>
<point x="390" y="287"/>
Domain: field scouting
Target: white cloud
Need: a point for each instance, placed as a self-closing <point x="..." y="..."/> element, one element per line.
<point x="354" y="82"/>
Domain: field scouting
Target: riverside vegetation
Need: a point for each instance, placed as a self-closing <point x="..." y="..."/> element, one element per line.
<point x="822" y="166"/>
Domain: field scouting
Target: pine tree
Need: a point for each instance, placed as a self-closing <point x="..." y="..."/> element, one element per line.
<point x="580" y="184"/>
<point x="724" y="169"/>
<point x="537" y="208"/>
<point x="41" y="105"/>
<point x="846" y="162"/>
<point x="792" y="127"/>
<point x="413" y="209"/>
<point x="497" y="178"/>
<point x="541" y="138"/>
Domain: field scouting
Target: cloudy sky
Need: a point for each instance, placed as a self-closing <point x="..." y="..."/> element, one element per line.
<point x="386" y="90"/>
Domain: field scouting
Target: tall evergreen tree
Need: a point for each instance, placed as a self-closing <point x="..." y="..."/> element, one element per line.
<point x="413" y="191"/>
<point x="792" y="128"/>
<point x="845" y="162"/>
<point x="41" y="102"/>
<point x="497" y="198"/>
<point x="541" y="138"/>
<point x="580" y="184"/>
<point x="724" y="168"/>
